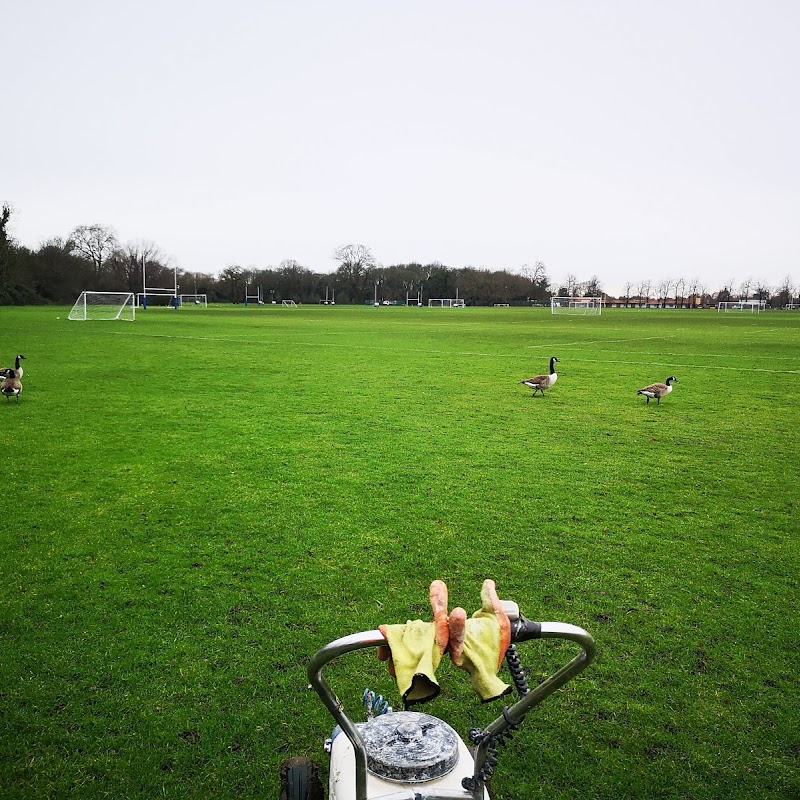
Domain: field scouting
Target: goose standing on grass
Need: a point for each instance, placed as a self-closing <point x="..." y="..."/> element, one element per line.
<point x="11" y="387"/>
<point x="541" y="382"/>
<point x="658" y="390"/>
<point x="15" y="371"/>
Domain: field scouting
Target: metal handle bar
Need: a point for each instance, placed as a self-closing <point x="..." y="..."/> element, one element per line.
<point x="511" y="717"/>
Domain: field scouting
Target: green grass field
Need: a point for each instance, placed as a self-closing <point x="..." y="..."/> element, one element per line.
<point x="196" y="501"/>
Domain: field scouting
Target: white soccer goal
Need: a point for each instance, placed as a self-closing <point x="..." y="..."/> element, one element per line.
<point x="104" y="305"/>
<point x="199" y="300"/>
<point x="445" y="302"/>
<point x="290" y="303"/>
<point x="739" y="305"/>
<point x="580" y="306"/>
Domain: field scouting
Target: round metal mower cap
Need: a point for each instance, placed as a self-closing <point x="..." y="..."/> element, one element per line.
<point x="409" y="747"/>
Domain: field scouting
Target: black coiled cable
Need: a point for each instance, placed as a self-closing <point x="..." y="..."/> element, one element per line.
<point x="478" y="737"/>
<point x="517" y="673"/>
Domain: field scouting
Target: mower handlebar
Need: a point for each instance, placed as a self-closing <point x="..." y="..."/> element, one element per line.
<point x="522" y="629"/>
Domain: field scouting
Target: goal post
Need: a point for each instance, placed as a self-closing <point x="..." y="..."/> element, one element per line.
<point x="445" y="302"/>
<point x="753" y="306"/>
<point x="253" y="294"/>
<point x="104" y="305"/>
<point x="579" y="306"/>
<point x="200" y="300"/>
<point x="289" y="303"/>
<point x="157" y="297"/>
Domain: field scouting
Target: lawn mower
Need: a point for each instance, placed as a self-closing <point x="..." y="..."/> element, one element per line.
<point x="411" y="755"/>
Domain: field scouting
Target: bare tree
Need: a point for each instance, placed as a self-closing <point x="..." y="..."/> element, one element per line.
<point x="663" y="291"/>
<point x="355" y="263"/>
<point x="744" y="289"/>
<point x="571" y="284"/>
<point x="628" y="287"/>
<point x="6" y="245"/>
<point x="644" y="290"/>
<point x="539" y="280"/>
<point x="535" y="274"/>
<point x="692" y="290"/>
<point x="680" y="285"/>
<point x="785" y="292"/>
<point x="593" y="288"/>
<point x="94" y="243"/>
<point x="762" y="290"/>
<point x="234" y="275"/>
<point x="125" y="263"/>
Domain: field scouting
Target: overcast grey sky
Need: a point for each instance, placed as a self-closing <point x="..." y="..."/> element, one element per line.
<point x="625" y="139"/>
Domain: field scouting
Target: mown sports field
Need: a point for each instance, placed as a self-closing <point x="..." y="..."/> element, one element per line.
<point x="195" y="502"/>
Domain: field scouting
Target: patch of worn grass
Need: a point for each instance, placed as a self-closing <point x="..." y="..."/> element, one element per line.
<point x="198" y="501"/>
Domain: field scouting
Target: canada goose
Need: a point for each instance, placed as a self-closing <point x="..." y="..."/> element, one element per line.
<point x="658" y="390"/>
<point x="541" y="382"/>
<point x="16" y="371"/>
<point x="11" y="387"/>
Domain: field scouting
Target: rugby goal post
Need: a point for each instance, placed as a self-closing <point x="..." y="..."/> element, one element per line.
<point x="579" y="306"/>
<point x="253" y="294"/>
<point x="445" y="302"/>
<point x="104" y="305"/>
<point x="157" y="297"/>
<point x="200" y="300"/>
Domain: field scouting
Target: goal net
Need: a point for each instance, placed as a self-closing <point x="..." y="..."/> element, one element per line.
<point x="445" y="302"/>
<point x="579" y="306"/>
<point x="104" y="305"/>
<point x="290" y="303"/>
<point x="199" y="300"/>
<point x="739" y="305"/>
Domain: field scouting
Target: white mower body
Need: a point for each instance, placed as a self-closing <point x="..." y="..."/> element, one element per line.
<point x="342" y="770"/>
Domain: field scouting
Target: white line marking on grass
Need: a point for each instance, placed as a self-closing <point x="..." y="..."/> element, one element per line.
<point x="693" y="355"/>
<point x="674" y="364"/>
<point x="581" y="343"/>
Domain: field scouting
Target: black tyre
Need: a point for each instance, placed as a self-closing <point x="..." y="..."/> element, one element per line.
<point x="300" y="780"/>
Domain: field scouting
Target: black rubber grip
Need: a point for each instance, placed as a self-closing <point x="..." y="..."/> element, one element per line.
<point x="523" y="629"/>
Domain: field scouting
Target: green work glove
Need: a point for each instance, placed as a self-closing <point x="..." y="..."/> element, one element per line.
<point x="415" y="650"/>
<point x="414" y="658"/>
<point x="478" y="644"/>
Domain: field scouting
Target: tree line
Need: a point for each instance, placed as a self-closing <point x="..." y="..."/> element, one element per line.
<point x="91" y="258"/>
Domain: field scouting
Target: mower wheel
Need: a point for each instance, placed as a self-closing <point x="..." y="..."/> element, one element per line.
<point x="300" y="780"/>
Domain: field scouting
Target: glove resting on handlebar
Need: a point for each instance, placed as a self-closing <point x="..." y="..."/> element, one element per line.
<point x="415" y="650"/>
<point x="414" y="658"/>
<point x="478" y="644"/>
